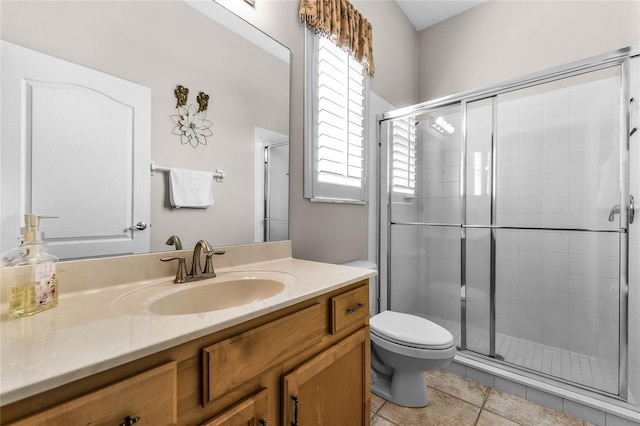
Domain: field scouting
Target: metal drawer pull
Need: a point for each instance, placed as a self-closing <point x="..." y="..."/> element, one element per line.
<point x="355" y="308"/>
<point x="295" y="410"/>
<point x="128" y="421"/>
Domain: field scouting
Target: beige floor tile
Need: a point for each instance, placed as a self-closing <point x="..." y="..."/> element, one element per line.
<point x="460" y="387"/>
<point x="487" y="418"/>
<point x="526" y="412"/>
<point x="376" y="402"/>
<point x="381" y="421"/>
<point x="443" y="410"/>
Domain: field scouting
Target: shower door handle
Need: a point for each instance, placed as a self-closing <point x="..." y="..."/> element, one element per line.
<point x="631" y="212"/>
<point x="614" y="211"/>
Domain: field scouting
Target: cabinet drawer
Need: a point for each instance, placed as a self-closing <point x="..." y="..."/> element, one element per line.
<point x="250" y="411"/>
<point x="151" y="396"/>
<point x="349" y="308"/>
<point x="233" y="361"/>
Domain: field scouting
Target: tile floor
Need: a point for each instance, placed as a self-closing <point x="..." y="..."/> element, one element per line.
<point x="458" y="401"/>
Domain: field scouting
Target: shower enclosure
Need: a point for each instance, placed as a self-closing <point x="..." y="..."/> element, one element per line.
<point x="507" y="216"/>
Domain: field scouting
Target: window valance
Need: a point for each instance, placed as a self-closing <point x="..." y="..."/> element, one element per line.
<point x="343" y="24"/>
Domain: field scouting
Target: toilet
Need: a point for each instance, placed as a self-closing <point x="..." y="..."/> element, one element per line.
<point x="403" y="348"/>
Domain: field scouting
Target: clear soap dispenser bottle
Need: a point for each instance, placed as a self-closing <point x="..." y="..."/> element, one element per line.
<point x="36" y="287"/>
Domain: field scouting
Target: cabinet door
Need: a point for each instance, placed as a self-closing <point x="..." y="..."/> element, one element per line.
<point x="331" y="388"/>
<point x="251" y="411"/>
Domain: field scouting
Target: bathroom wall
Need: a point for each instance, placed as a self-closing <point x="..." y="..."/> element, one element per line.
<point x="500" y="40"/>
<point x="335" y="232"/>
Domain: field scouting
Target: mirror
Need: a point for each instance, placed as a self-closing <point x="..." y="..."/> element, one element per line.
<point x="160" y="45"/>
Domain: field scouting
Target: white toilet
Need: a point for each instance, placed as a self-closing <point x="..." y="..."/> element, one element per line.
<point x="403" y="348"/>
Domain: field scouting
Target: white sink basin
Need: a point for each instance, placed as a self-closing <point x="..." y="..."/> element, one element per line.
<point x="226" y="291"/>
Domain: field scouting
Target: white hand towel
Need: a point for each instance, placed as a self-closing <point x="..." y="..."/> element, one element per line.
<point x="189" y="188"/>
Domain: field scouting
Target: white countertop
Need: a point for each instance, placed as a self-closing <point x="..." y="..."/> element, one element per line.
<point x="85" y="335"/>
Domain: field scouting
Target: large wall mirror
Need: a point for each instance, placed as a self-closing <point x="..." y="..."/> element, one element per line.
<point x="158" y="45"/>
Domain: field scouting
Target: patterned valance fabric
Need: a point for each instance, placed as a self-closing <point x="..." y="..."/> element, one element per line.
<point x="342" y="23"/>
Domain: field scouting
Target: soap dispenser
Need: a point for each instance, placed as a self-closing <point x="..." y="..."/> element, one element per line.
<point x="36" y="287"/>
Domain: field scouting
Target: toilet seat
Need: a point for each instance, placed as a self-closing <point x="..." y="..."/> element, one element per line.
<point x="411" y="331"/>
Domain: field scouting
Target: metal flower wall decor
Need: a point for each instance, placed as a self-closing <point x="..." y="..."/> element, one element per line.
<point x="191" y="124"/>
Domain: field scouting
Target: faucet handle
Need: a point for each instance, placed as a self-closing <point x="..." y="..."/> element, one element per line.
<point x="208" y="266"/>
<point x="181" y="273"/>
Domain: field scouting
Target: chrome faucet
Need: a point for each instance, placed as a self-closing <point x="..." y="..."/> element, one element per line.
<point x="196" y="273"/>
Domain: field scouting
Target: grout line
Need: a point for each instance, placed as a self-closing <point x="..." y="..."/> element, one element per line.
<point x="484" y="400"/>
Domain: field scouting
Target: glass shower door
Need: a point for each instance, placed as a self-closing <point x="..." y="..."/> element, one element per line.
<point x="545" y="170"/>
<point x="425" y="215"/>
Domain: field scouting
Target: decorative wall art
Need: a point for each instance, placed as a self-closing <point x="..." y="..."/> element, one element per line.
<point x="191" y="122"/>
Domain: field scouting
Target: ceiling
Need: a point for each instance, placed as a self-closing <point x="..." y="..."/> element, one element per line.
<point x="424" y="13"/>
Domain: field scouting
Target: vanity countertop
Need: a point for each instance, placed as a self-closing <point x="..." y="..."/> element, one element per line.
<point x="85" y="335"/>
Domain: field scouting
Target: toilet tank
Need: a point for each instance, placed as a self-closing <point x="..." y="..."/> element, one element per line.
<point x="373" y="283"/>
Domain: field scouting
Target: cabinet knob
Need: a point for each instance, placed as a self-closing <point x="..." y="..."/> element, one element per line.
<point x="263" y="422"/>
<point x="128" y="421"/>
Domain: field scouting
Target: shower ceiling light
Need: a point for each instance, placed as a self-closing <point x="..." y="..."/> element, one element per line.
<point x="441" y="125"/>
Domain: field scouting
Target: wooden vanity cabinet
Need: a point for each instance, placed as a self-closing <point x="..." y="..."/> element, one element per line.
<point x="244" y="375"/>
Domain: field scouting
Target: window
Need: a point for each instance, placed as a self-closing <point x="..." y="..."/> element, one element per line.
<point x="404" y="156"/>
<point x="336" y="96"/>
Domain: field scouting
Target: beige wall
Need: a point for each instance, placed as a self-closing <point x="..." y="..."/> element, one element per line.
<point x="501" y="40"/>
<point x="335" y="232"/>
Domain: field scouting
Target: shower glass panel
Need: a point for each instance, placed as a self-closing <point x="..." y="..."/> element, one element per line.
<point x="425" y="168"/>
<point x="426" y="274"/>
<point x="557" y="304"/>
<point x="558" y="153"/>
<point x="425" y="216"/>
<point x="478" y="305"/>
<point x="557" y="249"/>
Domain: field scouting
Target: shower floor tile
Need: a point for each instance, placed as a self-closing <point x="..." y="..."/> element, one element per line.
<point x="458" y="401"/>
<point x="574" y="367"/>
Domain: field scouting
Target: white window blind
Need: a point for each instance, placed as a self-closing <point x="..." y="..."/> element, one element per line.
<point x="336" y="129"/>
<point x="404" y="156"/>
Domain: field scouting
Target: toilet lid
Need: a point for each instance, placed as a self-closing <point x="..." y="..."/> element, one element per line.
<point x="410" y="330"/>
